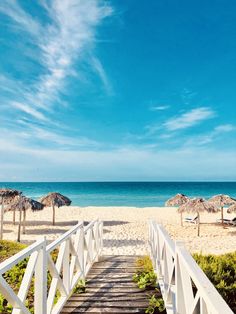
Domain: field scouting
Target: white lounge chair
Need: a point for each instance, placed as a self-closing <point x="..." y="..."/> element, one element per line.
<point x="228" y="221"/>
<point x="191" y="220"/>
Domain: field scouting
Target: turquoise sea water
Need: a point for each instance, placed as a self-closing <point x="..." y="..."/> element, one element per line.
<point x="139" y="194"/>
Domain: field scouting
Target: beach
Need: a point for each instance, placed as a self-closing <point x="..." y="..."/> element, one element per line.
<point x="126" y="228"/>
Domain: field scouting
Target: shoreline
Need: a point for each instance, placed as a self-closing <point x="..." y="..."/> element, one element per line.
<point x="126" y="228"/>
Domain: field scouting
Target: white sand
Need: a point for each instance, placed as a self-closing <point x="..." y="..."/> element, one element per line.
<point x="125" y="228"/>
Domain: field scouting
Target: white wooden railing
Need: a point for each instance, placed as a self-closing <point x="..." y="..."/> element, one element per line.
<point x="77" y="250"/>
<point x="184" y="286"/>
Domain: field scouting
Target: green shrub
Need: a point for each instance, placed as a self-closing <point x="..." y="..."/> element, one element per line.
<point x="221" y="271"/>
<point x="144" y="275"/>
<point x="156" y="304"/>
<point x="9" y="248"/>
<point x="15" y="275"/>
<point x="146" y="279"/>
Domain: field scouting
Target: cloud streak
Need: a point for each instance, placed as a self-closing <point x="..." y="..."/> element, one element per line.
<point x="64" y="40"/>
<point x="189" y="119"/>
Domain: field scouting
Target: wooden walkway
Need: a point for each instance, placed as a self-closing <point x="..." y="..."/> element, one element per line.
<point x="109" y="289"/>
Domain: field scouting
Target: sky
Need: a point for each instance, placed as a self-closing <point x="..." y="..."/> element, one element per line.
<point x="117" y="90"/>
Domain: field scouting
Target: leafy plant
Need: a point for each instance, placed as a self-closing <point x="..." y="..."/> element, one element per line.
<point x="156" y="304"/>
<point x="145" y="280"/>
<point x="221" y="271"/>
<point x="80" y="287"/>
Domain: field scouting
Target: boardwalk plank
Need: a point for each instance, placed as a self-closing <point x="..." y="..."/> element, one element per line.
<point x="109" y="289"/>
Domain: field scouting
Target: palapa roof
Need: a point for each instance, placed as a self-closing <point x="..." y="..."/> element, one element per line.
<point x="177" y="200"/>
<point x="25" y="203"/>
<point x="8" y="195"/>
<point x="56" y="199"/>
<point x="232" y="208"/>
<point x="221" y="200"/>
<point x="197" y="205"/>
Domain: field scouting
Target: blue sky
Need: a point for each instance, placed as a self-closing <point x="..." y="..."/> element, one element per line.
<point x="117" y="90"/>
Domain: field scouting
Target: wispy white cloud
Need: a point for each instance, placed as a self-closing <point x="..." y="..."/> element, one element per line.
<point x="65" y="39"/>
<point x="157" y="108"/>
<point x="189" y="119"/>
<point x="98" y="67"/>
<point x="207" y="138"/>
<point x="224" y="128"/>
<point x="29" y="110"/>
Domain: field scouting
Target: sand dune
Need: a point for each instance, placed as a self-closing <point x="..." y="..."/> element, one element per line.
<point x="126" y="230"/>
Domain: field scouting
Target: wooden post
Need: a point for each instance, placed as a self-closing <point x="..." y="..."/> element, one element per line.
<point x="2" y="217"/>
<point x="66" y="267"/>
<point x="24" y="220"/>
<point x="198" y="224"/>
<point x="40" y="283"/>
<point x="222" y="215"/>
<point x="179" y="284"/>
<point x="80" y="251"/>
<point x="181" y="219"/>
<point x="20" y="219"/>
<point x="53" y="213"/>
<point x="14" y="216"/>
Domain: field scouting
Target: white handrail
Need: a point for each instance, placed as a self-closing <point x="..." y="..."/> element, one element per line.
<point x="177" y="272"/>
<point x="77" y="250"/>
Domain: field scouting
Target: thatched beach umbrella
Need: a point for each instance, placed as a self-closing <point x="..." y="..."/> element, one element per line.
<point x="55" y="199"/>
<point x="23" y="203"/>
<point x="6" y="195"/>
<point x="197" y="205"/>
<point x="177" y="200"/>
<point x="232" y="208"/>
<point x="220" y="201"/>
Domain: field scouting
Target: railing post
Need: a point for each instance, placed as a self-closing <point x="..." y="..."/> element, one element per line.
<point x="179" y="284"/>
<point x="80" y="251"/>
<point x="101" y="236"/>
<point x="40" y="284"/>
<point x="66" y="268"/>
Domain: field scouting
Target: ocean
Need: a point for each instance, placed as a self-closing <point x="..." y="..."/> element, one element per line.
<point x="138" y="194"/>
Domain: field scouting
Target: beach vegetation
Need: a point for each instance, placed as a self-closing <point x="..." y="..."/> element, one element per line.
<point x="15" y="275"/>
<point x="146" y="279"/>
<point x="221" y="271"/>
<point x="156" y="303"/>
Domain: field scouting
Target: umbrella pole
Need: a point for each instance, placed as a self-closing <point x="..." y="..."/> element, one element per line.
<point x="53" y="214"/>
<point x="14" y="216"/>
<point x="181" y="219"/>
<point x="222" y="215"/>
<point x="19" y="226"/>
<point x="198" y="224"/>
<point x="2" y="213"/>
<point x="24" y="220"/>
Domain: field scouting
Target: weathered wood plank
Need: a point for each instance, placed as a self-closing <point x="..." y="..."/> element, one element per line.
<point x="110" y="289"/>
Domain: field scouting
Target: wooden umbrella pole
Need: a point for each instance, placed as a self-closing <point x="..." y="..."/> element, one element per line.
<point x="198" y="224"/>
<point x="14" y="216"/>
<point x="222" y="215"/>
<point x="20" y="218"/>
<point x="24" y="220"/>
<point x="2" y="216"/>
<point x="181" y="219"/>
<point x="53" y="214"/>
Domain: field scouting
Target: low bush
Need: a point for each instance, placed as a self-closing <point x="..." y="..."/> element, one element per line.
<point x="15" y="274"/>
<point x="221" y="271"/>
<point x="146" y="279"/>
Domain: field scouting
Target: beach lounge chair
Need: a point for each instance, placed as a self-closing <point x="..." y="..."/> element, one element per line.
<point x="191" y="220"/>
<point x="228" y="221"/>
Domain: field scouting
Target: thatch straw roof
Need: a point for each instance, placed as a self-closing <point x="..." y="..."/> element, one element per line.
<point x="24" y="203"/>
<point x="55" y="199"/>
<point x="197" y="205"/>
<point x="8" y="195"/>
<point x="177" y="200"/>
<point x="221" y="200"/>
<point x="232" y="208"/>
